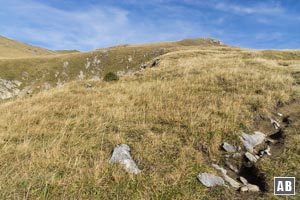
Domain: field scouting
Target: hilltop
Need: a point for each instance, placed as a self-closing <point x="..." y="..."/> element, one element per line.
<point x="57" y="143"/>
<point x="13" y="49"/>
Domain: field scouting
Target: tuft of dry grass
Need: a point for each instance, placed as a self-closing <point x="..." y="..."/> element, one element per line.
<point x="57" y="144"/>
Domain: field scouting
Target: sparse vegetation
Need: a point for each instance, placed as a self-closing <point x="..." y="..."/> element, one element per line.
<point x="57" y="144"/>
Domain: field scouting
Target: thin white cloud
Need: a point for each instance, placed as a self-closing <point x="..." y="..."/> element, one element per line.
<point x="261" y="8"/>
<point x="80" y="29"/>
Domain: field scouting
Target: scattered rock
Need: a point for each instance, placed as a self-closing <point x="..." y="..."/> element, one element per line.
<point x="217" y="167"/>
<point x="233" y="168"/>
<point x="243" y="180"/>
<point x="143" y="66"/>
<point x="251" y="157"/>
<point x="250" y="141"/>
<point x="81" y="75"/>
<point x="66" y="64"/>
<point x="244" y="189"/>
<point x="227" y="178"/>
<point x="239" y="148"/>
<point x="279" y="114"/>
<point x="121" y="73"/>
<point x="121" y="154"/>
<point x="87" y="65"/>
<point x="253" y="188"/>
<point x="275" y="124"/>
<point x="210" y="180"/>
<point x="96" y="78"/>
<point x="46" y="86"/>
<point x="88" y="85"/>
<point x="9" y="89"/>
<point x="236" y="155"/>
<point x="231" y="181"/>
<point x="266" y="151"/>
<point x="228" y="147"/>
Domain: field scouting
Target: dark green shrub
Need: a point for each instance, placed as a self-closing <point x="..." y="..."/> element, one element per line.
<point x="110" y="76"/>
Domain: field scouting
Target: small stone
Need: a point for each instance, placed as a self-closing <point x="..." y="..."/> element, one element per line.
<point x="217" y="167"/>
<point x="143" y="66"/>
<point x="227" y="178"/>
<point x="228" y="147"/>
<point x="236" y="155"/>
<point x="233" y="168"/>
<point x="253" y="188"/>
<point x="268" y="151"/>
<point x="88" y="85"/>
<point x="279" y="114"/>
<point x="275" y="124"/>
<point x="210" y="180"/>
<point x="121" y="154"/>
<point x="231" y="181"/>
<point x="244" y="189"/>
<point x="251" y="157"/>
<point x="243" y="180"/>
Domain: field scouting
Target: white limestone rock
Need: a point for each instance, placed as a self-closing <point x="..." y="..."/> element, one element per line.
<point x="228" y="147"/>
<point x="251" y="157"/>
<point x="121" y="154"/>
<point x="210" y="180"/>
<point x="250" y="141"/>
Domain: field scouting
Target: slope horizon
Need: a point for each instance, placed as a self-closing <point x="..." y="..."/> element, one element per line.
<point x="84" y="26"/>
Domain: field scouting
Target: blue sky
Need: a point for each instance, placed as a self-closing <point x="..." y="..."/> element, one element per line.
<point x="91" y="24"/>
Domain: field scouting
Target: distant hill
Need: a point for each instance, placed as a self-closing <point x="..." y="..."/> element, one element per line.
<point x="13" y="49"/>
<point x="66" y="51"/>
<point x="55" y="68"/>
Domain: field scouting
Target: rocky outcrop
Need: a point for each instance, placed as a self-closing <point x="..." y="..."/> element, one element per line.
<point x="9" y="89"/>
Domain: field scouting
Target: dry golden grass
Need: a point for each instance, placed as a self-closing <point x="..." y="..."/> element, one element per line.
<point x="14" y="49"/>
<point x="57" y="144"/>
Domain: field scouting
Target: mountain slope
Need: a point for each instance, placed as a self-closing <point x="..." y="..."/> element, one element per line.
<point x="14" y="49"/>
<point x="175" y="116"/>
<point x="38" y="73"/>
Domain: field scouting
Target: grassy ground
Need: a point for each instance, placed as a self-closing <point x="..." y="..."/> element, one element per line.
<point x="14" y="49"/>
<point x="57" y="144"/>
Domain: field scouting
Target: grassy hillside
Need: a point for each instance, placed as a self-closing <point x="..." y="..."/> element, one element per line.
<point x="54" y="70"/>
<point x="57" y="144"/>
<point x="14" y="49"/>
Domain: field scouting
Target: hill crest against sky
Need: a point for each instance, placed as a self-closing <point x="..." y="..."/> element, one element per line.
<point x="91" y="24"/>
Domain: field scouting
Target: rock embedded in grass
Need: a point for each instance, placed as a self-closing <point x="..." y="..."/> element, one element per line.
<point x="228" y="147"/>
<point x="210" y="180"/>
<point x="243" y="180"/>
<point x="250" y="141"/>
<point x="253" y="188"/>
<point x="121" y="154"/>
<point x="227" y="178"/>
<point x="251" y="157"/>
<point x="230" y="166"/>
<point x="275" y="123"/>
